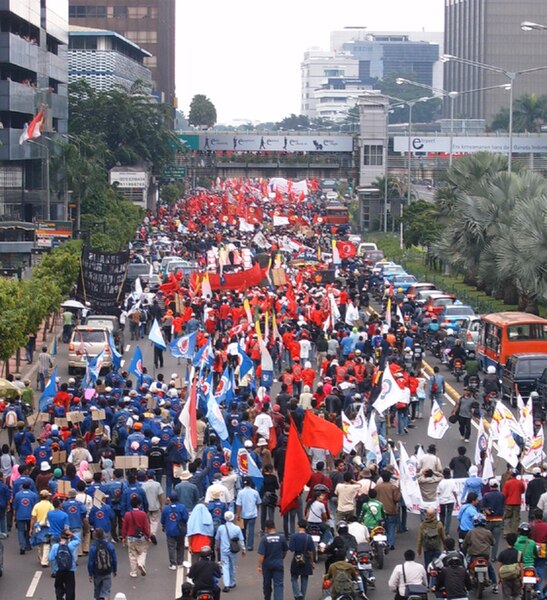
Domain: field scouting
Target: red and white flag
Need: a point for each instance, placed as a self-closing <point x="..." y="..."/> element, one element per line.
<point x="188" y="418"/>
<point x="33" y="130"/>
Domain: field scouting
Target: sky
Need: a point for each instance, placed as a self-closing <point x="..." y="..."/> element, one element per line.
<point x="245" y="55"/>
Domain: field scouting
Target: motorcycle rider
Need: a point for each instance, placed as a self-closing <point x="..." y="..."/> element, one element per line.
<point x="478" y="543"/>
<point x="526" y="545"/>
<point x="205" y="573"/>
<point x="490" y="383"/>
<point x="472" y="368"/>
<point x="457" y="352"/>
<point x="341" y="544"/>
<point x="453" y="580"/>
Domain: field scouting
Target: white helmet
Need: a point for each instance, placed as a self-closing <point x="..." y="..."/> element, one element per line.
<point x="534" y="394"/>
<point x="449" y="331"/>
<point x="491" y="369"/>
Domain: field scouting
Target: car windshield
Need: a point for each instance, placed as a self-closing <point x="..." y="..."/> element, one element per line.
<point x="138" y="269"/>
<point x="106" y="323"/>
<point x="442" y="301"/>
<point x="408" y="279"/>
<point x="89" y="336"/>
<point x="459" y="310"/>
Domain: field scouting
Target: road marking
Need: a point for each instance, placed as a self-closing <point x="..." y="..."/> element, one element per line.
<point x="122" y="362"/>
<point x="33" y="584"/>
<point x="127" y="347"/>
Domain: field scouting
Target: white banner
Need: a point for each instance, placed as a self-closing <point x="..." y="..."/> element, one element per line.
<point x="238" y="142"/>
<point x="464" y="145"/>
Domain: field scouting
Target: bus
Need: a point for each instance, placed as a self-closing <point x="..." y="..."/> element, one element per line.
<point x="506" y="333"/>
<point x="336" y="214"/>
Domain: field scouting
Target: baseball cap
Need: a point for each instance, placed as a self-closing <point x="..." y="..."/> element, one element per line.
<point x="493" y="483"/>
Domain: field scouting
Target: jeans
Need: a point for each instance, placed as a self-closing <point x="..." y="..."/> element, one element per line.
<point x="3" y="522"/>
<point x="272" y="575"/>
<point x="289" y="523"/>
<point x="23" y="528"/>
<point x="446" y="515"/>
<point x="495" y="527"/>
<point x="249" y="532"/>
<point x="299" y="588"/>
<point x="65" y="586"/>
<point x="430" y="555"/>
<point x="175" y="550"/>
<point x="402" y="420"/>
<point x="229" y="564"/>
<point x="465" y="427"/>
<point x="41" y="381"/>
<point x="540" y="571"/>
<point x="102" y="586"/>
<point x="391" y="527"/>
<point x="266" y="512"/>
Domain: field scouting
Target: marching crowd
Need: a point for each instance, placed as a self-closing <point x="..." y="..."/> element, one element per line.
<point x="151" y="452"/>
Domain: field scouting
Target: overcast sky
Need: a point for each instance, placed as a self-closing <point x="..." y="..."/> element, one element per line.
<point x="245" y="55"/>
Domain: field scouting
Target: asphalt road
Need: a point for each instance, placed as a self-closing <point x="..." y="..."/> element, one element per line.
<point x="24" y="578"/>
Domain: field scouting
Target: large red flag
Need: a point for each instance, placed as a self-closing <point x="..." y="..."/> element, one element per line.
<point x="297" y="469"/>
<point x="346" y="249"/>
<point x="320" y="433"/>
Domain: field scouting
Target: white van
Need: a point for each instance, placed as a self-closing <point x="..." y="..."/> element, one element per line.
<point x="364" y="246"/>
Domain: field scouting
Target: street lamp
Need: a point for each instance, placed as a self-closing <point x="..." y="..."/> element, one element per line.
<point x="451" y="96"/>
<point x="511" y="75"/>
<point x="531" y="26"/>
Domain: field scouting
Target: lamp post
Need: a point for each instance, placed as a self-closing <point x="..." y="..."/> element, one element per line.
<point x="531" y="26"/>
<point x="511" y="75"/>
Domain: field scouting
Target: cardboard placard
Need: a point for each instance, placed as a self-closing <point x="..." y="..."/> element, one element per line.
<point x="94" y="467"/>
<point x="61" y="421"/>
<point x="131" y="462"/>
<point x="63" y="487"/>
<point x="59" y="458"/>
<point x="43" y="417"/>
<point x="151" y="403"/>
<point x="75" y="416"/>
<point x="98" y="414"/>
<point x="99" y="498"/>
<point x="278" y="277"/>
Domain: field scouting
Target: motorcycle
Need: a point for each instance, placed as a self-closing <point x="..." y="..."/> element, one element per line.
<point x="358" y="593"/>
<point x="529" y="582"/>
<point x="378" y="546"/>
<point x="314" y="530"/>
<point x="204" y="595"/>
<point x="363" y="562"/>
<point x="489" y="403"/>
<point x="478" y="571"/>
<point x="457" y="369"/>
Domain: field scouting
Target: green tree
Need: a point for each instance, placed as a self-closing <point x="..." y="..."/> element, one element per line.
<point x="422" y="225"/>
<point x="203" y="113"/>
<point x="529" y="114"/>
<point x="171" y="192"/>
<point x="13" y="318"/>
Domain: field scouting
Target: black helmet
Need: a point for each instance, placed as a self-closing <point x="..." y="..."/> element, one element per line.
<point x="342" y="527"/>
<point x="205" y="552"/>
<point x="524" y="529"/>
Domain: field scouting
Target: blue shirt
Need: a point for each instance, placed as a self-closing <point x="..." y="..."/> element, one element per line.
<point x="101" y="517"/>
<point x="225" y="533"/>
<point x="58" y="521"/>
<point x="91" y="557"/>
<point x="76" y="512"/>
<point x="248" y="499"/>
<point x="174" y="517"/>
<point x="23" y="503"/>
<point x="72" y="546"/>
<point x="465" y="516"/>
<point x="5" y="495"/>
<point x="18" y="485"/>
<point x="472" y="484"/>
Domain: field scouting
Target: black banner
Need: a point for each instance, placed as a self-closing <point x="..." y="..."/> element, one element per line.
<point x="101" y="280"/>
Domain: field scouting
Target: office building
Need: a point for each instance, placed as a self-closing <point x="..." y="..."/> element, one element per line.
<point x="33" y="78"/>
<point x="489" y="31"/>
<point x="148" y="23"/>
<point x="106" y="59"/>
<point x="358" y="58"/>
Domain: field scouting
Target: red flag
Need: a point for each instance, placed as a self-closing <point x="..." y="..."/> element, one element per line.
<point x="297" y="469"/>
<point x="33" y="129"/>
<point x="320" y="433"/>
<point x="346" y="249"/>
<point x="272" y="441"/>
<point x="188" y="418"/>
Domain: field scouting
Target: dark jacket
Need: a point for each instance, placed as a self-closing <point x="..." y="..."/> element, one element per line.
<point x="455" y="581"/>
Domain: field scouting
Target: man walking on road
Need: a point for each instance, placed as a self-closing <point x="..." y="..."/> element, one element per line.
<point x="271" y="552"/>
<point x="512" y="491"/>
<point x="247" y="502"/>
<point x="136" y="535"/>
<point x="63" y="557"/>
<point x="102" y="565"/>
<point x="154" y="495"/>
<point x="174" y="518"/>
<point x="45" y="363"/>
<point x="224" y="536"/>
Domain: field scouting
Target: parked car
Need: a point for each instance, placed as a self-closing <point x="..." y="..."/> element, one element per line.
<point x="522" y="370"/>
<point x="469" y="333"/>
<point x="87" y="341"/>
<point x="112" y="324"/>
<point x="436" y="304"/>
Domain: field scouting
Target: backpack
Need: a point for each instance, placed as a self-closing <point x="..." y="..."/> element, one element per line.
<point x="342" y="583"/>
<point x="63" y="559"/>
<point x="431" y="538"/>
<point x="11" y="418"/>
<point x="102" y="565"/>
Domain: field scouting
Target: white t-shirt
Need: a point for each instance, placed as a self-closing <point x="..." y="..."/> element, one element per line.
<point x="263" y="422"/>
<point x="445" y="491"/>
<point x="316" y="512"/>
<point x="305" y="347"/>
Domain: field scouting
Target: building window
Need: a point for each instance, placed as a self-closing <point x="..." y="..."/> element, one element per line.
<point x="334" y="72"/>
<point x="83" y="12"/>
<point x="142" y="37"/>
<point x="120" y="12"/>
<point x="151" y="62"/>
<point x="373" y="156"/>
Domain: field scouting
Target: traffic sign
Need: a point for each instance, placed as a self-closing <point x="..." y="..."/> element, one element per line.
<point x="174" y="172"/>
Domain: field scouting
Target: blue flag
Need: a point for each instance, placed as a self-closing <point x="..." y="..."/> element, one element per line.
<point x="95" y="365"/>
<point x="116" y="356"/>
<point x="215" y="418"/>
<point x="135" y="368"/>
<point x="205" y="356"/>
<point x="204" y="388"/>
<point x="156" y="336"/>
<point x="244" y="464"/>
<point x="225" y="387"/>
<point x="46" y="399"/>
<point x="245" y="363"/>
<point x="184" y="346"/>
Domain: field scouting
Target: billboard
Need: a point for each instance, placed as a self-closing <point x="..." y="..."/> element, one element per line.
<point x="129" y="179"/>
<point x="237" y="142"/>
<point x="53" y="229"/>
<point x="468" y="145"/>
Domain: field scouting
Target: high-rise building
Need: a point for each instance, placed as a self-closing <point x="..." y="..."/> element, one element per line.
<point x="489" y="31"/>
<point x="148" y="23"/>
<point x="106" y="59"/>
<point x="33" y="78"/>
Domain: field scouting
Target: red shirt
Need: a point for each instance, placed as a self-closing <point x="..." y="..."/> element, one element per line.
<point x="513" y="490"/>
<point x="539" y="532"/>
<point x="135" y="519"/>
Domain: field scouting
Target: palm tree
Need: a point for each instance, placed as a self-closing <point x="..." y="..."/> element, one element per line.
<point x="529" y="113"/>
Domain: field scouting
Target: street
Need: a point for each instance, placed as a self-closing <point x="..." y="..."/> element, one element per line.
<point x="25" y="579"/>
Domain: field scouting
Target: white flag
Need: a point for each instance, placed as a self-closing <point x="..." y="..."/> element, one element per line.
<point x="373" y="441"/>
<point x="390" y="393"/>
<point x="502" y="413"/>
<point x="526" y="420"/>
<point x="488" y="468"/>
<point x="507" y="447"/>
<point x="359" y="429"/>
<point x="347" y="426"/>
<point x="393" y="462"/>
<point x="438" y="424"/>
<point x="533" y="454"/>
<point x="482" y="442"/>
<point x="409" y="482"/>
